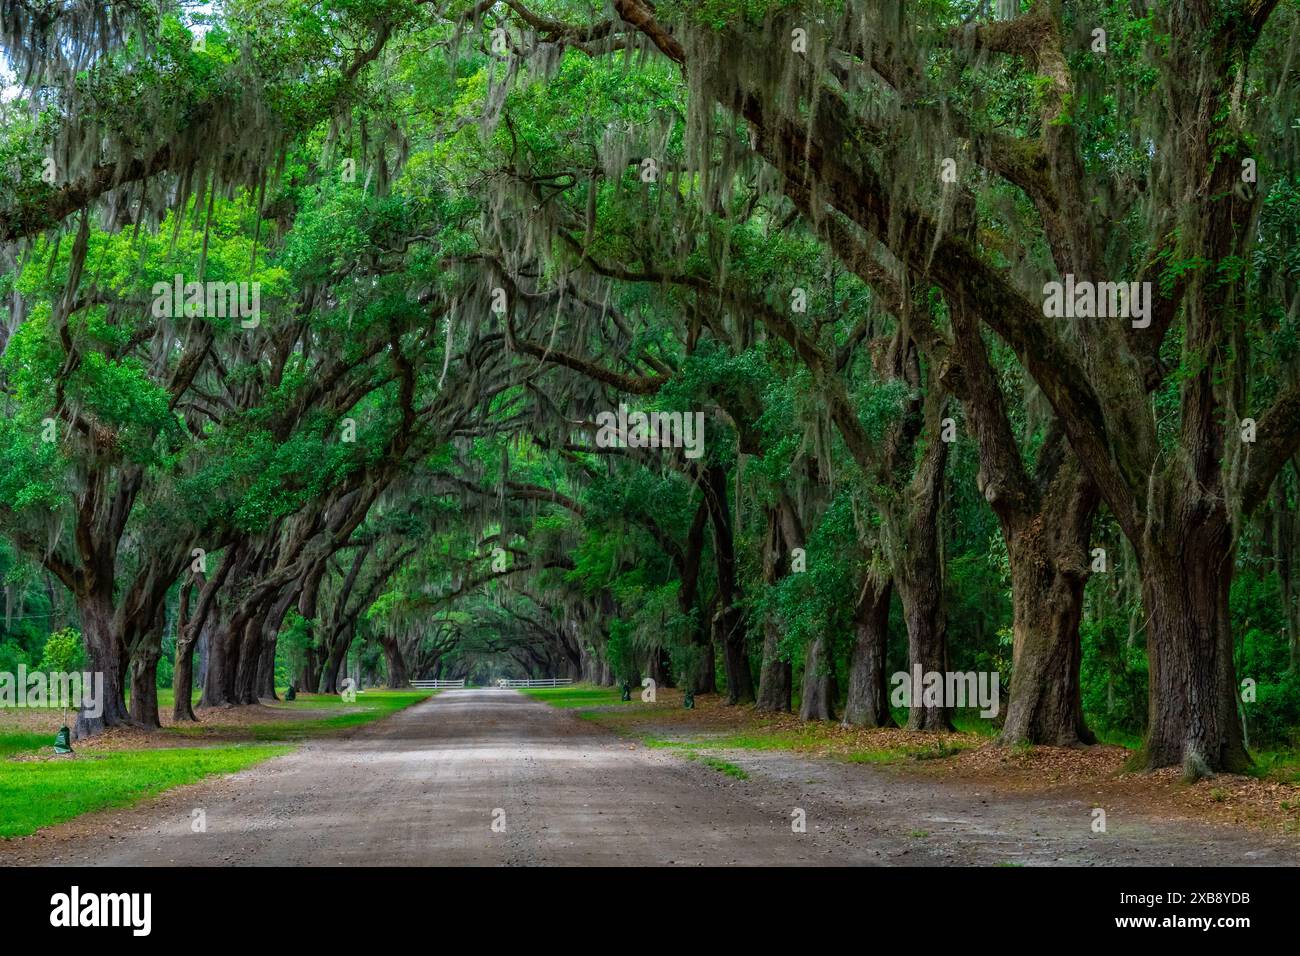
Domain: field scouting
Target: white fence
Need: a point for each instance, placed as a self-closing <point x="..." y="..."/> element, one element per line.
<point x="546" y="682"/>
<point x="438" y="684"/>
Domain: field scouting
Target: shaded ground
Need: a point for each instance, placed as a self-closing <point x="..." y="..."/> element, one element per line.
<point x="421" y="787"/>
<point x="1268" y="800"/>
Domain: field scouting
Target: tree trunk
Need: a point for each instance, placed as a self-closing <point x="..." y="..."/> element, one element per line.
<point x="201" y="646"/>
<point x="309" y="680"/>
<point x="183" y="682"/>
<point x="658" y="669"/>
<point x="250" y="657"/>
<point x="266" y="669"/>
<point x="775" y="677"/>
<point x="396" y="663"/>
<point x="1048" y="557"/>
<point x="867" y="704"/>
<point x="927" y="645"/>
<point x="270" y="639"/>
<point x="706" y="678"/>
<point x="1193" y="717"/>
<point x="183" y="664"/>
<point x="818" y="701"/>
<point x="333" y="670"/>
<point x="103" y="656"/>
<point x="913" y="532"/>
<point x="144" y="689"/>
<point x="729" y="623"/>
<point x="700" y="680"/>
<point x="224" y="643"/>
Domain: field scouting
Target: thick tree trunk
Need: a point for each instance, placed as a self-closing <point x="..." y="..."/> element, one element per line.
<point x="183" y="663"/>
<point x="103" y="656"/>
<point x="250" y="657"/>
<point x="309" y="681"/>
<point x="395" y="662"/>
<point x="818" y="701"/>
<point x="1046" y="706"/>
<point x="183" y="682"/>
<point x="1048" y="557"/>
<point x="927" y="644"/>
<point x="1193" y="717"/>
<point x="224" y="643"/>
<point x="144" y="689"/>
<point x="730" y="625"/>
<point x="918" y="571"/>
<point x="270" y="639"/>
<point x="867" y="704"/>
<point x="1046" y="522"/>
<point x="266" y="669"/>
<point x="777" y="676"/>
<point x="706" y="677"/>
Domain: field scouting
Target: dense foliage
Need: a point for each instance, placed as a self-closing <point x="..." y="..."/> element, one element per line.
<point x="827" y="230"/>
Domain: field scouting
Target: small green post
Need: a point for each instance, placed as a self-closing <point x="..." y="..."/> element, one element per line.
<point x="63" y="742"/>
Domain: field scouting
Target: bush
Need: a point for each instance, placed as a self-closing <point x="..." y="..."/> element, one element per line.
<point x="63" y="651"/>
<point x="1274" y="716"/>
<point x="11" y="655"/>
<point x="1113" y="676"/>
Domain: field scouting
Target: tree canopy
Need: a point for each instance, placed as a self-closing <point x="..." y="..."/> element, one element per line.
<point x="766" y="348"/>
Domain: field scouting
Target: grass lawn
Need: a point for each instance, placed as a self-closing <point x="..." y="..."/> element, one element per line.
<point x="20" y="741"/>
<point x="35" y="794"/>
<point x="578" y="695"/>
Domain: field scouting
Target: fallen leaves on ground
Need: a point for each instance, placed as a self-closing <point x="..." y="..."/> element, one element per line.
<point x="1094" y="774"/>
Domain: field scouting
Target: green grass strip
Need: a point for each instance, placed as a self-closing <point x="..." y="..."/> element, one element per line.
<point x="36" y="794"/>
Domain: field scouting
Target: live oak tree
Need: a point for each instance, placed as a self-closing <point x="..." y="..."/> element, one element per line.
<point x="830" y="229"/>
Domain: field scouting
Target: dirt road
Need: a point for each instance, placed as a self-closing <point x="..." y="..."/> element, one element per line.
<point x="426" y="785"/>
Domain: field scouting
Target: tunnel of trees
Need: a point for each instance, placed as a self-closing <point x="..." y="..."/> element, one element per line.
<point x="829" y="230"/>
